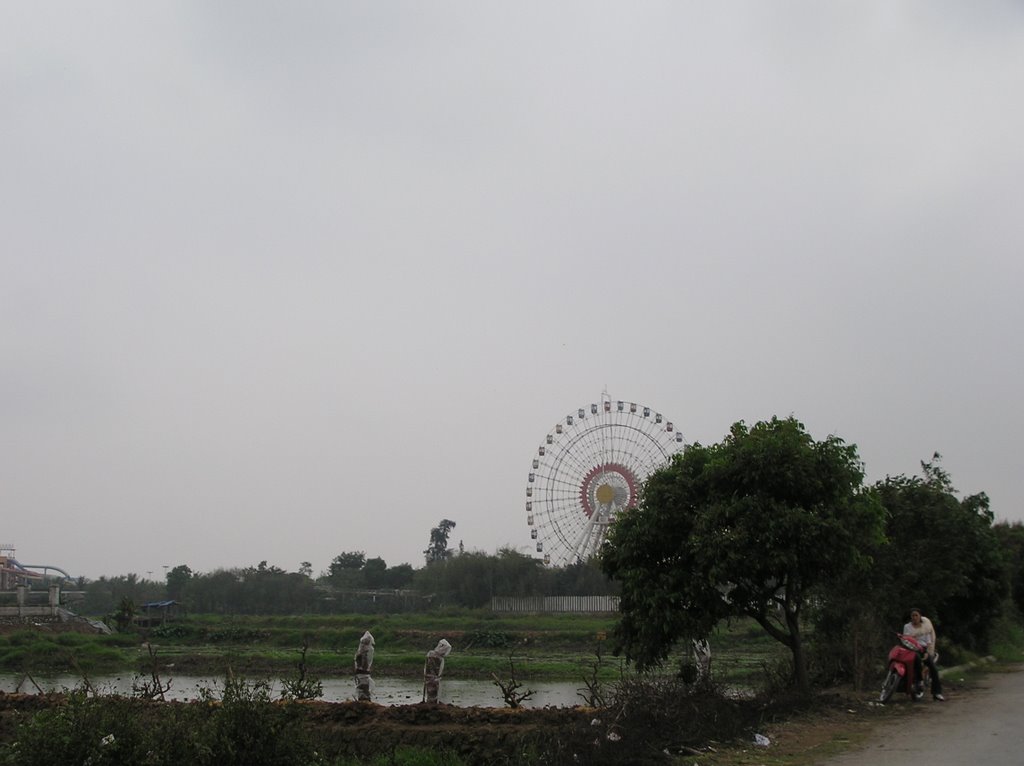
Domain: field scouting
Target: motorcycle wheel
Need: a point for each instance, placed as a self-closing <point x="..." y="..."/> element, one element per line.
<point x="892" y="680"/>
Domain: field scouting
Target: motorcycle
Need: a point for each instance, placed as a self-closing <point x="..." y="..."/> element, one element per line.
<point x="900" y="676"/>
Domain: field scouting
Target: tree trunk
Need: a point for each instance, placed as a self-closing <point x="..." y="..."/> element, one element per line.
<point x="799" y="657"/>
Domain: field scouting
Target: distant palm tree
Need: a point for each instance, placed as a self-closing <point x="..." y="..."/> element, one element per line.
<point x="125" y="613"/>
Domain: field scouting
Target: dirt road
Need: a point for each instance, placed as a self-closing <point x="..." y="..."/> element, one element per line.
<point x="983" y="726"/>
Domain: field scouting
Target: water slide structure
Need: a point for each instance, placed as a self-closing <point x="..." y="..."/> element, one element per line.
<point x="13" y="572"/>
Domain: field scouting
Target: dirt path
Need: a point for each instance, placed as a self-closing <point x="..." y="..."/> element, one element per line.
<point x="982" y="727"/>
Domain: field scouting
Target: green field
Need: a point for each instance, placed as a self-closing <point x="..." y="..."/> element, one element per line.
<point x="555" y="647"/>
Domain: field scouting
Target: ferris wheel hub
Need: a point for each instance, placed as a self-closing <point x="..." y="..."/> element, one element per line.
<point x="606" y="490"/>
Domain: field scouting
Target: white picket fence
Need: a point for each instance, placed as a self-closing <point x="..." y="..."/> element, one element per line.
<point x="572" y="604"/>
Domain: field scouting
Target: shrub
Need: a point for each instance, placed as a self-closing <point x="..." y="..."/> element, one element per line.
<point x="488" y="639"/>
<point x="248" y="729"/>
<point x="667" y="712"/>
<point x="73" y="639"/>
<point x="244" y="728"/>
<point x="83" y="730"/>
<point x="236" y="634"/>
<point x="170" y="630"/>
<point x="410" y="756"/>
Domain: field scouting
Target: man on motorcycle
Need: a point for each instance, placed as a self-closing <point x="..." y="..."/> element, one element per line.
<point x="921" y="628"/>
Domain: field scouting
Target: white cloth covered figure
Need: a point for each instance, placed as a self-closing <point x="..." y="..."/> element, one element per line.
<point x="363" y="665"/>
<point x="433" y="669"/>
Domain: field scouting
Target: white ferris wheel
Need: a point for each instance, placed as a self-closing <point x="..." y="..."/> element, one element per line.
<point x="589" y="467"/>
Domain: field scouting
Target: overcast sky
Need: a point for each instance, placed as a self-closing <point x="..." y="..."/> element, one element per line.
<point x="282" y="280"/>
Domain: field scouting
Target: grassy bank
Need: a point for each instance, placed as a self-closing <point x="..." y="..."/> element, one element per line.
<point x="549" y="647"/>
<point x="542" y="646"/>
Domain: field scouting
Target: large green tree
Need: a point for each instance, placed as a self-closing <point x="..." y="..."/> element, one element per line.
<point x="756" y="525"/>
<point x="942" y="555"/>
<point x="177" y="581"/>
<point x="375" y="572"/>
<point x="345" y="570"/>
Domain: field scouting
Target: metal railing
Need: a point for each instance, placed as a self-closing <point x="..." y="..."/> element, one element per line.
<point x="560" y="604"/>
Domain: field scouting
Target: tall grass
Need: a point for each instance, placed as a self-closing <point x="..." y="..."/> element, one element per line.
<point x="33" y="651"/>
<point x="408" y="756"/>
<point x="1007" y="640"/>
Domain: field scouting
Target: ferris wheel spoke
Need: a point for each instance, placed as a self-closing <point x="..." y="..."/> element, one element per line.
<point x="622" y="419"/>
<point x="652" y="452"/>
<point x="594" y="439"/>
<point x="607" y="438"/>
<point x="580" y="452"/>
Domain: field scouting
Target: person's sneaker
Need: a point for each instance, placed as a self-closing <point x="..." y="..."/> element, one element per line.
<point x="938" y="698"/>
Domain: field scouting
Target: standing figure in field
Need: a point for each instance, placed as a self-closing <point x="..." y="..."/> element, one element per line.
<point x="702" y="659"/>
<point x="433" y="669"/>
<point x="363" y="664"/>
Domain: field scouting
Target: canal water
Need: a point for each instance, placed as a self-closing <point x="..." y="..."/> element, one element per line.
<point x="386" y="691"/>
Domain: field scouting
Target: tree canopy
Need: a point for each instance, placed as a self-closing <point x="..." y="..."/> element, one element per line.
<point x="438" y="549"/>
<point x="177" y="581"/>
<point x="942" y="555"/>
<point x="754" y="526"/>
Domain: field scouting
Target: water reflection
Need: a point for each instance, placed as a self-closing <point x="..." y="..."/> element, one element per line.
<point x="386" y="691"/>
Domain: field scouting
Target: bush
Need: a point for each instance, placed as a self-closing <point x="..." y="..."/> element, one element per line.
<point x="488" y="639"/>
<point x="236" y="634"/>
<point x="667" y="712"/>
<point x="83" y="730"/>
<point x="74" y="639"/>
<point x="40" y="653"/>
<point x="410" y="756"/>
<point x="125" y="640"/>
<point x="170" y="630"/>
<point x="23" y="638"/>
<point x="248" y="729"/>
<point x="1008" y="636"/>
<point x="244" y="728"/>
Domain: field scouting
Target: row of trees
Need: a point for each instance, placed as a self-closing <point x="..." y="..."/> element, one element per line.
<point x="472" y="578"/>
<point x="450" y="577"/>
<point x="772" y="525"/>
<point x="351" y="582"/>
